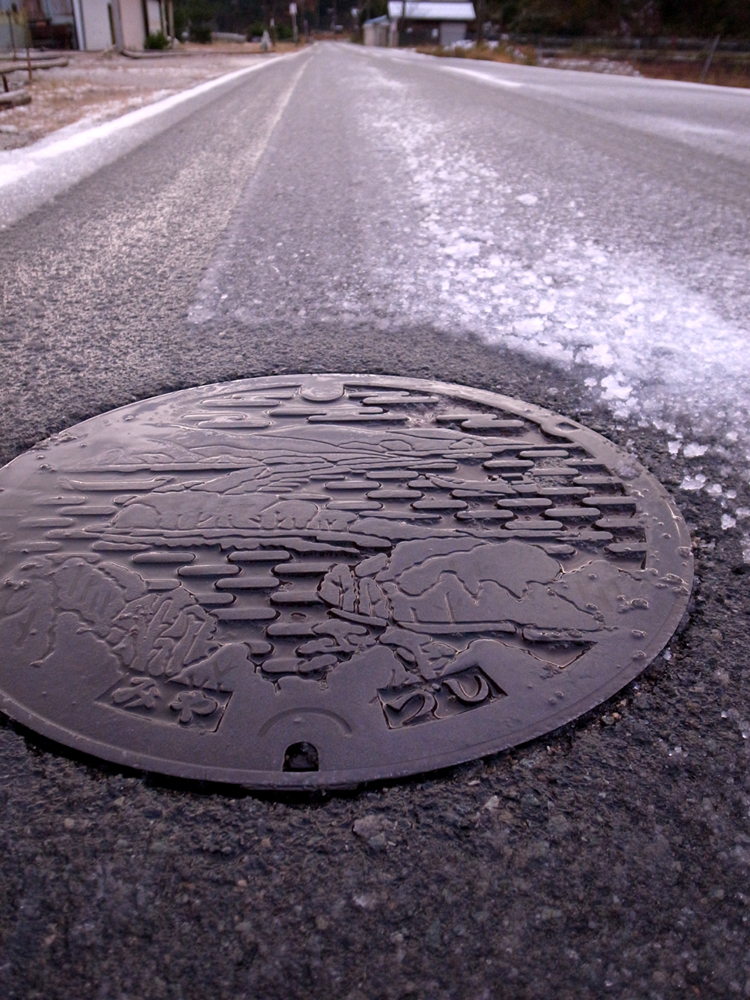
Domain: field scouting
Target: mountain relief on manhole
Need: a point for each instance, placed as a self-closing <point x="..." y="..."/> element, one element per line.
<point x="393" y="574"/>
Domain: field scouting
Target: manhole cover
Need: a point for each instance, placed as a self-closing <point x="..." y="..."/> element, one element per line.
<point x="321" y="580"/>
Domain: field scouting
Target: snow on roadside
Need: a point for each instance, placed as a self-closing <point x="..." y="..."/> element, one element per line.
<point x="97" y="87"/>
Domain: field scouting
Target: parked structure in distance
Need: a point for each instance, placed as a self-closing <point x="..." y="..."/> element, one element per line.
<point x="421" y="22"/>
<point x="376" y="31"/>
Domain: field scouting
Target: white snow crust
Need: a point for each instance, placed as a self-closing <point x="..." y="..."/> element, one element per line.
<point x="655" y="351"/>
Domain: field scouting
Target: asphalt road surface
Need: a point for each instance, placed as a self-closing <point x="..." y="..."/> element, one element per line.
<point x="575" y="240"/>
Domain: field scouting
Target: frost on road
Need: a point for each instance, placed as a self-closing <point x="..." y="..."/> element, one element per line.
<point x="488" y="238"/>
<point x="496" y="264"/>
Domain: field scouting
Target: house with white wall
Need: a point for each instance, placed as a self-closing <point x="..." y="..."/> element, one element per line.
<point x="424" y="22"/>
<point x="93" y="25"/>
<point x="124" y="23"/>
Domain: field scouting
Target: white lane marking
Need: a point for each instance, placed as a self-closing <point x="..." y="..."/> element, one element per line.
<point x="274" y="121"/>
<point x="434" y="63"/>
<point x="28" y="159"/>
<point x="493" y="81"/>
<point x="206" y="303"/>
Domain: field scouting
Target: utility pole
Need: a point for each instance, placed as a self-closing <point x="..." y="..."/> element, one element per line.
<point x="28" y="48"/>
<point x="293" y="12"/>
<point x="706" y="68"/>
<point x="11" y="12"/>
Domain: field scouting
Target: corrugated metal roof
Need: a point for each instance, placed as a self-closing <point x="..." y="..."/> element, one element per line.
<point x="432" y="10"/>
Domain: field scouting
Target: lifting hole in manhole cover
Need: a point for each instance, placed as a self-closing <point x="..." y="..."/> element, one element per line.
<point x="322" y="580"/>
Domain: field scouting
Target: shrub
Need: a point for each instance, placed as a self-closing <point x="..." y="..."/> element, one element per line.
<point x="200" y="31"/>
<point x="180" y="21"/>
<point x="157" y="40"/>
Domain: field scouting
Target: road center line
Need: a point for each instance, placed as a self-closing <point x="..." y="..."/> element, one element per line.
<point x="493" y="81"/>
<point x="203" y="307"/>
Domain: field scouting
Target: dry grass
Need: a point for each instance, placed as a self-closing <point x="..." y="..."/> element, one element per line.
<point x="722" y="72"/>
<point x="523" y="55"/>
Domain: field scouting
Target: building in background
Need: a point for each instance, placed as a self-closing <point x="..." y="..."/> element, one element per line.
<point x="429" y="22"/>
<point x="376" y="31"/>
<point x="124" y="23"/>
<point x="93" y="25"/>
<point x="96" y="21"/>
<point x="47" y="24"/>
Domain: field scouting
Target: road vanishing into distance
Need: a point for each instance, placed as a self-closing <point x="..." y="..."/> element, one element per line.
<point x="576" y="240"/>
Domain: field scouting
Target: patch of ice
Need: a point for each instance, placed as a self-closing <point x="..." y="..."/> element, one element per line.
<point x="614" y="388"/>
<point x="727" y="522"/>
<point x="694" y="450"/>
<point x="532" y="325"/>
<point x="742" y="512"/>
<point x="669" y="356"/>
<point x="714" y="490"/>
<point x="492" y="81"/>
<point x="463" y="250"/>
<point x="598" y="354"/>
<point x="693" y="483"/>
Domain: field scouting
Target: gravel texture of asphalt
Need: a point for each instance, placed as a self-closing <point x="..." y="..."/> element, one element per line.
<point x="575" y="242"/>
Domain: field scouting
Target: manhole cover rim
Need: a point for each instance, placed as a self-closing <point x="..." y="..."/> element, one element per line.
<point x="639" y="481"/>
<point x="307" y="781"/>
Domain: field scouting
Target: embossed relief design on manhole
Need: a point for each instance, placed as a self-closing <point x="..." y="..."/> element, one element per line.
<point x="312" y="580"/>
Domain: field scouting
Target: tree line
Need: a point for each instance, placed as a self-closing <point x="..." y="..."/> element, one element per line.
<point x="251" y="17"/>
<point x="635" y="18"/>
<point x="574" y="18"/>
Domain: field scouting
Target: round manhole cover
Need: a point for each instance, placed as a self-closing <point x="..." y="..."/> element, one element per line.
<point x="322" y="580"/>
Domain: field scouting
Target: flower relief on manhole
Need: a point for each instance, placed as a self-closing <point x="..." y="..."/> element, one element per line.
<point x="325" y="579"/>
